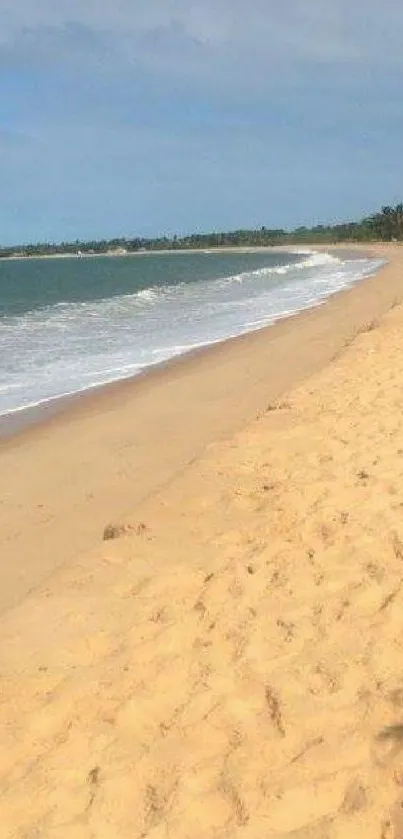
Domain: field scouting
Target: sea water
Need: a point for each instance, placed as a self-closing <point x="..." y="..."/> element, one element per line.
<point x="67" y="325"/>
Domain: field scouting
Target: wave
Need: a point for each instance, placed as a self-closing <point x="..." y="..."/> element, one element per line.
<point x="314" y="260"/>
<point x="152" y="294"/>
<point x="63" y="349"/>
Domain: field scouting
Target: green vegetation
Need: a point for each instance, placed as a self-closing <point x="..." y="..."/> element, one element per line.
<point x="385" y="226"/>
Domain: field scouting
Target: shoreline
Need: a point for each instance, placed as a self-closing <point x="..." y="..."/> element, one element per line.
<point x="17" y="421"/>
<point x="156" y="252"/>
<point x="230" y="663"/>
<point x="354" y="247"/>
<point x="67" y="476"/>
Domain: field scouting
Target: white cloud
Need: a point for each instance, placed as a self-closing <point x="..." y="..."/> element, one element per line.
<point x="199" y="36"/>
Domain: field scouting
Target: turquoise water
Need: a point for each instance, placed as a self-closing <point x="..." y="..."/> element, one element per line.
<point x="67" y="325"/>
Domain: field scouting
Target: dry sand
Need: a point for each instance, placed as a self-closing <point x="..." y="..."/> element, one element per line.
<point x="232" y="664"/>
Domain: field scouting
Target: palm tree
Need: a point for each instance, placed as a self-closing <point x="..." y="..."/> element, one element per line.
<point x="399" y="221"/>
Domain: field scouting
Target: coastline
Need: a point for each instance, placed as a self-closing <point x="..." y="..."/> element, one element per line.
<point x="18" y="420"/>
<point x="257" y="485"/>
<point x="127" y="439"/>
<point x="157" y="252"/>
<point x="355" y="247"/>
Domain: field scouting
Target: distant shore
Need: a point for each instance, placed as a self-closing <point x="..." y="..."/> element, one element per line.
<point x="292" y="248"/>
<point x="156" y="252"/>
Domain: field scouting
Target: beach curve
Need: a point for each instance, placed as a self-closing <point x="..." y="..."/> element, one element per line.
<point x="230" y="664"/>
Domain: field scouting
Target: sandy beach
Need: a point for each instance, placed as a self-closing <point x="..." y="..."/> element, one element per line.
<point x="230" y="665"/>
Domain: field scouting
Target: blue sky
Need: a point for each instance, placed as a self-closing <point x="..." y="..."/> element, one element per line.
<point x="146" y="118"/>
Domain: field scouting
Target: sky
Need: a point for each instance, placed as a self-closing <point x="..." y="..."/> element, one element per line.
<point x="154" y="117"/>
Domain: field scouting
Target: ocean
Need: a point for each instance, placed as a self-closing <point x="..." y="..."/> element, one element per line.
<point x="67" y="325"/>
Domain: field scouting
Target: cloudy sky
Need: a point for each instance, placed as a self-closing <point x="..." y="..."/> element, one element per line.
<point x="143" y="117"/>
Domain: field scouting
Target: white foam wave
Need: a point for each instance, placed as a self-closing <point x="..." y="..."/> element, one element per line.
<point x="314" y="260"/>
<point x="148" y="294"/>
<point x="70" y="347"/>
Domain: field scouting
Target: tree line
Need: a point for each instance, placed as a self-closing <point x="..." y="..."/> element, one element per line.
<point x="385" y="226"/>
